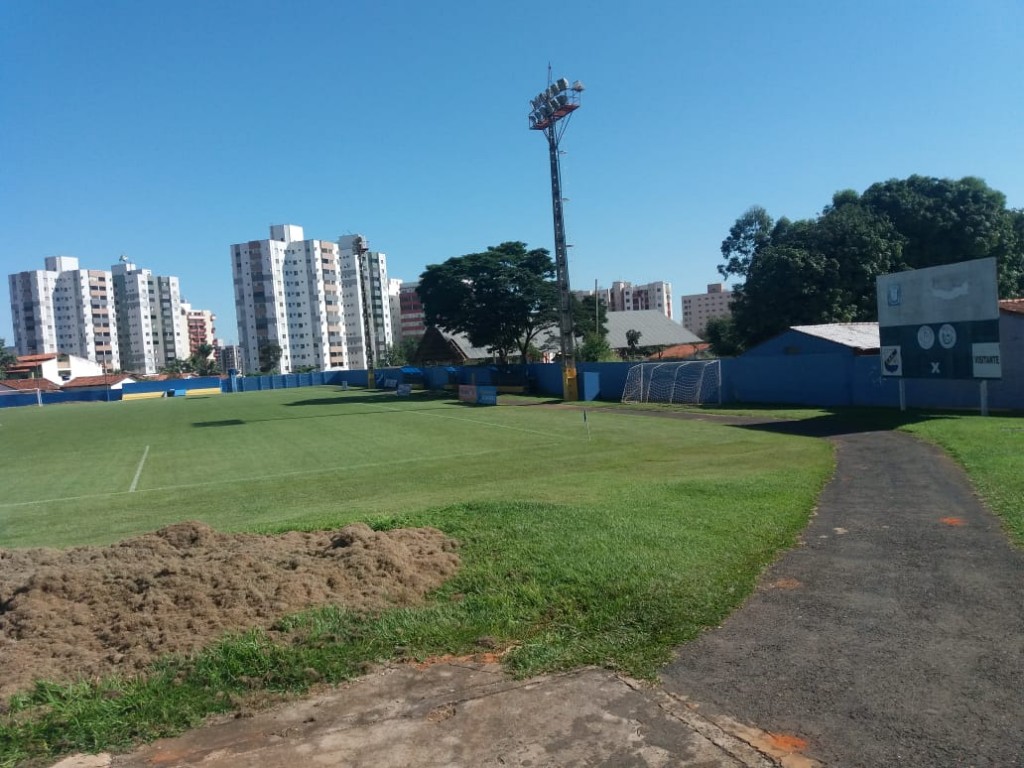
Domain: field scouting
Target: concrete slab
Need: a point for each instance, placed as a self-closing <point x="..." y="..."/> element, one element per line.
<point x="464" y="714"/>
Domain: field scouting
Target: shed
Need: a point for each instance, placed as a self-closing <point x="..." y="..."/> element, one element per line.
<point x="825" y="339"/>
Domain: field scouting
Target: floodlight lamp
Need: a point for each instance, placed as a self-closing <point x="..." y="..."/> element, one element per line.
<point x="562" y="84"/>
<point x="563" y="99"/>
<point x="577" y="86"/>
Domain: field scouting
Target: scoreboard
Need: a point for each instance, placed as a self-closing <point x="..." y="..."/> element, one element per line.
<point x="940" y="322"/>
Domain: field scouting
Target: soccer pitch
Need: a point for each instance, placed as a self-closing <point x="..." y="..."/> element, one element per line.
<point x="320" y="457"/>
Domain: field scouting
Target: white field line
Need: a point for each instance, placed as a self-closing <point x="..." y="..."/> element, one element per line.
<point x="471" y="421"/>
<point x="254" y="478"/>
<point x="138" y="472"/>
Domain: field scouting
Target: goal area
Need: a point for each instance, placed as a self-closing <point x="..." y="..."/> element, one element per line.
<point x="694" y="382"/>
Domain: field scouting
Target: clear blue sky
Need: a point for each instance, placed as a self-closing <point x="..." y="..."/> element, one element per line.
<point x="169" y="130"/>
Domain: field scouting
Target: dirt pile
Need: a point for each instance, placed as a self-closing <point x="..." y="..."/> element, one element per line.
<point x="90" y="611"/>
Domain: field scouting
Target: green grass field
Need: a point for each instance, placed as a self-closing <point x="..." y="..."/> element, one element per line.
<point x="319" y="457"/>
<point x="609" y="546"/>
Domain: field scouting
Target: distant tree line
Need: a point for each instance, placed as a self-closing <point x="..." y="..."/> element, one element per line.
<point x="823" y="270"/>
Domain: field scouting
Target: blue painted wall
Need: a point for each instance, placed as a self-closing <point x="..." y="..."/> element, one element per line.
<point x="797" y="369"/>
<point x="56" y="398"/>
<point x="206" y="382"/>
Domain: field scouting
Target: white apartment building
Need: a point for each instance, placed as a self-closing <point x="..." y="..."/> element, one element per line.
<point x="67" y="310"/>
<point x="626" y="297"/>
<point x="378" y="300"/>
<point x="395" y="303"/>
<point x="289" y="292"/>
<point x="698" y="308"/>
<point x="151" y="328"/>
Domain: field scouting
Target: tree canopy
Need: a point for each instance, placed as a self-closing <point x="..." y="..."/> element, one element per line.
<point x="201" y="362"/>
<point x="589" y="317"/>
<point x="823" y="270"/>
<point x="7" y="360"/>
<point x="500" y="298"/>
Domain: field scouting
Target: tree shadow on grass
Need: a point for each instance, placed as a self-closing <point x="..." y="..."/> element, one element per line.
<point x="373" y="397"/>
<point x="840" y="421"/>
<point x="224" y="423"/>
<point x="427" y="403"/>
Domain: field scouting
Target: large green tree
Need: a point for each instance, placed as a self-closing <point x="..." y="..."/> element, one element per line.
<point x="6" y="358"/>
<point x="270" y="356"/>
<point x="203" y="361"/>
<point x="501" y="298"/>
<point x="824" y="269"/>
<point x="589" y="317"/>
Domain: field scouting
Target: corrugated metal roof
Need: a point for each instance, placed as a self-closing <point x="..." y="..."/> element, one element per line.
<point x="655" y="329"/>
<point x="465" y="346"/>
<point x="862" y="336"/>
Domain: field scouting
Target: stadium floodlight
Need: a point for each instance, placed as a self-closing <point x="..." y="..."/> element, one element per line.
<point x="558" y="101"/>
<point x="361" y="251"/>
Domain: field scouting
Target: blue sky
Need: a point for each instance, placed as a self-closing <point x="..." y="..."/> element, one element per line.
<point x="169" y="130"/>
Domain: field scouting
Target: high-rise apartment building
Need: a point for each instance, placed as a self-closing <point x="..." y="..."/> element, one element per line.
<point x="65" y="309"/>
<point x="200" y="326"/>
<point x="291" y="301"/>
<point x="375" y="280"/>
<point x="394" y="300"/>
<point x="698" y="308"/>
<point x="151" y="328"/>
<point x="625" y="297"/>
<point x="229" y="358"/>
<point x="411" y="308"/>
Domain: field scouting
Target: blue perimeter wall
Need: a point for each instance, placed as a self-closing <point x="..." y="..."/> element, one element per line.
<point x="821" y="375"/>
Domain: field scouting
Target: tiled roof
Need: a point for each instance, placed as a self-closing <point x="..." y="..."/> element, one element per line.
<point x="1012" y="305"/>
<point x="29" y="385"/>
<point x="678" y="351"/>
<point x="98" y="381"/>
<point x="35" y="359"/>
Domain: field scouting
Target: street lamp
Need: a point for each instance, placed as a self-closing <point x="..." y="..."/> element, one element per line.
<point x="547" y="110"/>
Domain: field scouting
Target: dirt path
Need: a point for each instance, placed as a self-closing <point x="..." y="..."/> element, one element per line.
<point x="894" y="636"/>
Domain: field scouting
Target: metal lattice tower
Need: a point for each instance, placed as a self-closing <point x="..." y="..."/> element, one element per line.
<point x="549" y="112"/>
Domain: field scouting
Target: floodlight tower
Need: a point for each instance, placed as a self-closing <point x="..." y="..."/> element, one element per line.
<point x="548" y="108"/>
<point x="361" y="251"/>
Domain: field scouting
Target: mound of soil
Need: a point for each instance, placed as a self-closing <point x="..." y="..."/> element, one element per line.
<point x="89" y="611"/>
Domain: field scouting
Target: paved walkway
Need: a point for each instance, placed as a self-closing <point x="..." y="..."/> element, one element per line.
<point x="894" y="636"/>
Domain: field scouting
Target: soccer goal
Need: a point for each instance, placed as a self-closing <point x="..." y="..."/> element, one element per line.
<point x="697" y="382"/>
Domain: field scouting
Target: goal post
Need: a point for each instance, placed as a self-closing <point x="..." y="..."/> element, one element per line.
<point x="693" y="382"/>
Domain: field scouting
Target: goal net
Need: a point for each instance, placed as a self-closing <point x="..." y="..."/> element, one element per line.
<point x="697" y="382"/>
